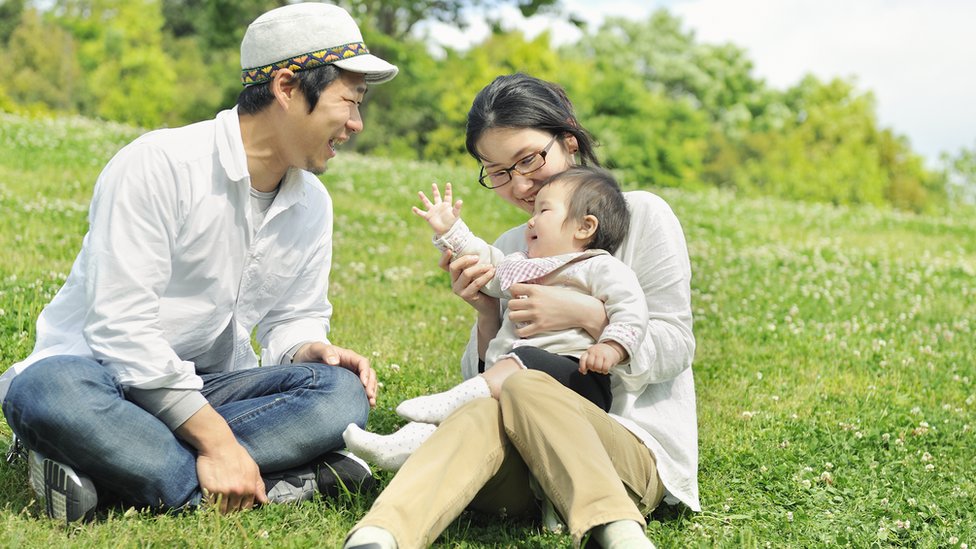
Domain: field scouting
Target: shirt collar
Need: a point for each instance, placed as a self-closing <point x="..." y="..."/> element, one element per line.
<point x="230" y="145"/>
<point x="233" y="159"/>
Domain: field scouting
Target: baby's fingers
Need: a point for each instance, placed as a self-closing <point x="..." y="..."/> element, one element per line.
<point x="435" y="193"/>
<point x="424" y="200"/>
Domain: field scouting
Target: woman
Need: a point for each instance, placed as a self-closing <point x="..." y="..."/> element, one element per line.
<point x="602" y="471"/>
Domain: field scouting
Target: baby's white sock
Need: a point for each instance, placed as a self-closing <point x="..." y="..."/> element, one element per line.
<point x="387" y="451"/>
<point x="622" y="534"/>
<point x="372" y="537"/>
<point x="435" y="408"/>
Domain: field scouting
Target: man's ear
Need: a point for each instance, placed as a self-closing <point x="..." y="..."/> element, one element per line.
<point x="587" y="228"/>
<point x="284" y="86"/>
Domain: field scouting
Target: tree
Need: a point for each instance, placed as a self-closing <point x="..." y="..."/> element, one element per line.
<point x="10" y="12"/>
<point x="46" y="73"/>
<point x="128" y="76"/>
<point x="829" y="150"/>
<point x="667" y="60"/>
<point x="960" y="175"/>
<point x="397" y="18"/>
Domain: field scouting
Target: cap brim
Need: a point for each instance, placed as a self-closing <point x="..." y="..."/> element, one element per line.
<point x="373" y="68"/>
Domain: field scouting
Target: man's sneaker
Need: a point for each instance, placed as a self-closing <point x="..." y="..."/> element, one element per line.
<point x="343" y="472"/>
<point x="337" y="472"/>
<point x="291" y="486"/>
<point x="67" y="495"/>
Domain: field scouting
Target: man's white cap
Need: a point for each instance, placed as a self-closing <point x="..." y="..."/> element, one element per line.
<point x="305" y="36"/>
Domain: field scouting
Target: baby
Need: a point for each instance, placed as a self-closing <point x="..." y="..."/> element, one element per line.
<point x="580" y="217"/>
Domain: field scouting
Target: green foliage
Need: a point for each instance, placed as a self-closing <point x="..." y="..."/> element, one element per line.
<point x="829" y="150"/>
<point x="400" y="115"/>
<point x="396" y="18"/>
<point x="835" y="370"/>
<point x="463" y="74"/>
<point x="960" y="172"/>
<point x="10" y="13"/>
<point x="665" y="149"/>
<point x="674" y="112"/>
<point x="46" y="72"/>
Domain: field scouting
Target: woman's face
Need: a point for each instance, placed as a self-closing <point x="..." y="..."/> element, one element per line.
<point x="500" y="148"/>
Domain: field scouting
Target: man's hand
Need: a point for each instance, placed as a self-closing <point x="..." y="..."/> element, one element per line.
<point x="343" y="358"/>
<point x="600" y="357"/>
<point x="440" y="214"/>
<point x="228" y="475"/>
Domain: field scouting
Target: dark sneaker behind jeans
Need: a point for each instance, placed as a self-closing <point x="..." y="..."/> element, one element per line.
<point x="344" y="472"/>
<point x="67" y="495"/>
<point x="334" y="474"/>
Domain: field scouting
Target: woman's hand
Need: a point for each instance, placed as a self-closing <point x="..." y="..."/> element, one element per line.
<point x="535" y="309"/>
<point x="467" y="280"/>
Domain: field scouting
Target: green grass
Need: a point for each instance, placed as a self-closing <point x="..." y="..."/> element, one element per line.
<point x="835" y="367"/>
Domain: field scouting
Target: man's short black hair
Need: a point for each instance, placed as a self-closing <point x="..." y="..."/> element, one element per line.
<point x="311" y="82"/>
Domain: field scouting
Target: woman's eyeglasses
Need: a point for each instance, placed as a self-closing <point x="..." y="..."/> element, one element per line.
<point x="532" y="163"/>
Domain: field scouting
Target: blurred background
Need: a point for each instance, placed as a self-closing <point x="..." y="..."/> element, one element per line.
<point x="835" y="102"/>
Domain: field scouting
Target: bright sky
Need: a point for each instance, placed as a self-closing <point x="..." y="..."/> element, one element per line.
<point x="917" y="57"/>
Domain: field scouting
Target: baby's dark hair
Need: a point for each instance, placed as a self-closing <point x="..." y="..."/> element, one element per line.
<point x="595" y="192"/>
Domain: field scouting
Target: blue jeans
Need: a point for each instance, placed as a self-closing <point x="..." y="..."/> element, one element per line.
<point x="73" y="410"/>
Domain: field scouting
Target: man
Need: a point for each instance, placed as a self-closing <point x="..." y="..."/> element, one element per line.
<point x="143" y="383"/>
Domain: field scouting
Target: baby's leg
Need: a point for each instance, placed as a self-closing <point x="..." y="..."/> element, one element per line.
<point x="387" y="451"/>
<point x="565" y="369"/>
<point x="436" y="407"/>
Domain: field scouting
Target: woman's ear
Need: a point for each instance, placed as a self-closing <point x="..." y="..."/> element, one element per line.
<point x="572" y="145"/>
<point x="587" y="228"/>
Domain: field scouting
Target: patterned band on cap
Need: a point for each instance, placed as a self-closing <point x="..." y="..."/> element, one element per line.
<point x="260" y="75"/>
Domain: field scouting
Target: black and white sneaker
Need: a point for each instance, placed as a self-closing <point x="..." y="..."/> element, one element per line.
<point x="67" y="495"/>
<point x="291" y="486"/>
<point x="336" y="473"/>
<point x="342" y="472"/>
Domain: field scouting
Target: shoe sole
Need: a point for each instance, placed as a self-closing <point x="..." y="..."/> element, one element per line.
<point x="67" y="496"/>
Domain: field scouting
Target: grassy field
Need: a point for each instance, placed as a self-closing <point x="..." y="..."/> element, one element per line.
<point x="835" y="367"/>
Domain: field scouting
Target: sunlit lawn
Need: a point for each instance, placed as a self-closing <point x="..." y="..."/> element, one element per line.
<point x="835" y="368"/>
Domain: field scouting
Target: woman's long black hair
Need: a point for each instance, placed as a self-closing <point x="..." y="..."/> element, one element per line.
<point x="522" y="101"/>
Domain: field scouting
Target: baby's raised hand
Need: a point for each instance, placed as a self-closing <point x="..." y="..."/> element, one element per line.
<point x="440" y="214"/>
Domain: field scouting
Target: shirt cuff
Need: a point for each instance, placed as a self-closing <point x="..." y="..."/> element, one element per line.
<point x="289" y="356"/>
<point x="172" y="406"/>
<point x="455" y="239"/>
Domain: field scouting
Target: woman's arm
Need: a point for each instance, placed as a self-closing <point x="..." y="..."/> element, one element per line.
<point x="468" y="277"/>
<point x="655" y="249"/>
